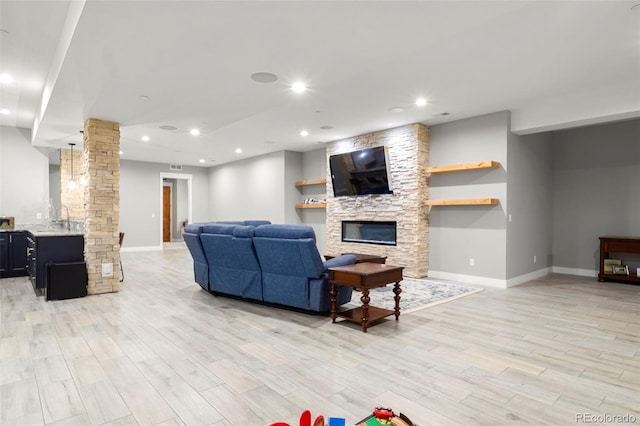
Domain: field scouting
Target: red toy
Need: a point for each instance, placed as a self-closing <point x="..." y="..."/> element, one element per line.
<point x="383" y="413"/>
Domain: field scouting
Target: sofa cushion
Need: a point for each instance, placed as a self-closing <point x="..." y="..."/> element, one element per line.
<point x="257" y="222"/>
<point x="219" y="228"/>
<point x="289" y="232"/>
<point x="243" y="231"/>
<point x="191" y="238"/>
<point x="196" y="228"/>
<point x="233" y="266"/>
<point x="344" y="260"/>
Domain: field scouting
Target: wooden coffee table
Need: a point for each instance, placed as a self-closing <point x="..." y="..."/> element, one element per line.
<point x="363" y="277"/>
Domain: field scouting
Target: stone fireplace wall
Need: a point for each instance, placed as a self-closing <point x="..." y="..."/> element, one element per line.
<point x="408" y="148"/>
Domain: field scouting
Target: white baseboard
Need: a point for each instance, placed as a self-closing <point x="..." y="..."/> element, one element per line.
<point x="468" y="279"/>
<point x="574" y="271"/>
<point x="511" y="282"/>
<point x="147" y="248"/>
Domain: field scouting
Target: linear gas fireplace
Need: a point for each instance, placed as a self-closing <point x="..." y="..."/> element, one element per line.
<point x="369" y="232"/>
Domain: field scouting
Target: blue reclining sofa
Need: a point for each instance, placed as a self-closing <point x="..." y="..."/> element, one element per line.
<point x="255" y="260"/>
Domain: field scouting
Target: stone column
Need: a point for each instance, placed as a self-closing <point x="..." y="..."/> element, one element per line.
<point x="72" y="199"/>
<point x="102" y="204"/>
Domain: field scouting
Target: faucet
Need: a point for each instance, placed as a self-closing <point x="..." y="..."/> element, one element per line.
<point x="68" y="221"/>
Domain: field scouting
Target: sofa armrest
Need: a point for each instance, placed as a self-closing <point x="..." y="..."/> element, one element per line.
<point x="345" y="259"/>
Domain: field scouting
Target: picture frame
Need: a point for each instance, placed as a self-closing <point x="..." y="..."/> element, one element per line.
<point x="609" y="263"/>
<point x="620" y="269"/>
<point x="7" y="222"/>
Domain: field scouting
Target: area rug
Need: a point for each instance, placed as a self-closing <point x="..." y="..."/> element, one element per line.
<point x="416" y="294"/>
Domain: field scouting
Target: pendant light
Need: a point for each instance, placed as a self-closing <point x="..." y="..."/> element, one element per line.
<point x="72" y="183"/>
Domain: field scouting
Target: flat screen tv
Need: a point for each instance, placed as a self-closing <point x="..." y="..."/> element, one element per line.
<point x="361" y="172"/>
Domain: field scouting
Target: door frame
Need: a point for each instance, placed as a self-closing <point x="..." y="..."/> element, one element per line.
<point x="189" y="179"/>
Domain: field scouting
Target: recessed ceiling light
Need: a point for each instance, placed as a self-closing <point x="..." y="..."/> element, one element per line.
<point x="5" y="111"/>
<point x="298" y="87"/>
<point x="144" y="97"/>
<point x="264" y="77"/>
<point x="421" y="102"/>
<point x="304" y="133"/>
<point x="202" y="160"/>
<point x="396" y="109"/>
<point x="194" y="132"/>
<point x="145" y="138"/>
<point x="389" y="124"/>
<point x="444" y="113"/>
<point x="6" y="79"/>
<point x="121" y="152"/>
<point x="326" y="127"/>
<point x="238" y="151"/>
<point x="167" y="127"/>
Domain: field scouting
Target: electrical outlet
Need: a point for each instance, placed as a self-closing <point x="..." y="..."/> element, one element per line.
<point x="535" y="259"/>
<point x="107" y="269"/>
<point x="509" y="217"/>
<point x="472" y="261"/>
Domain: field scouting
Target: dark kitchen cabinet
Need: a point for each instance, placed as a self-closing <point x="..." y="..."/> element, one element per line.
<point x="45" y="249"/>
<point x="13" y="254"/>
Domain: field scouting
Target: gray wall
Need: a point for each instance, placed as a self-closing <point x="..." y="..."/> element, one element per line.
<point x="249" y="189"/>
<point x="292" y="174"/>
<point x="140" y="198"/>
<point x="264" y="188"/>
<point x="596" y="191"/>
<point x="530" y="201"/>
<point x="54" y="184"/>
<point x="24" y="177"/>
<point x="459" y="233"/>
<point x="181" y="206"/>
<point x="314" y="166"/>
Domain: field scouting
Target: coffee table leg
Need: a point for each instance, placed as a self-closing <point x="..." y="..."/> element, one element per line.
<point x="333" y="293"/>
<point x="397" y="290"/>
<point x="365" y="308"/>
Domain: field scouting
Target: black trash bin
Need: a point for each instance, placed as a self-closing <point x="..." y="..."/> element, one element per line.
<point x="66" y="280"/>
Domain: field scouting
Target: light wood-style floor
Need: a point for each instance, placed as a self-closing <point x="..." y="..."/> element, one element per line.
<point x="164" y="352"/>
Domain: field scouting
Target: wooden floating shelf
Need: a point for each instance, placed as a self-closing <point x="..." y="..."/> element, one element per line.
<point x="465" y="202"/>
<point x="311" y="206"/>
<point x="463" y="167"/>
<point x="311" y="182"/>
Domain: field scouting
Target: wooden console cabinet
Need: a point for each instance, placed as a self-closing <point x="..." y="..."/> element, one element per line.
<point x="610" y="245"/>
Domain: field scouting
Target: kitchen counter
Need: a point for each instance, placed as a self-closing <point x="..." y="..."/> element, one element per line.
<point x="54" y="233"/>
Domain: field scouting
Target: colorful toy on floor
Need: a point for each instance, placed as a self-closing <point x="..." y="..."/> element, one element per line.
<point x="385" y="416"/>
<point x="382" y="413"/>
<point x="305" y="420"/>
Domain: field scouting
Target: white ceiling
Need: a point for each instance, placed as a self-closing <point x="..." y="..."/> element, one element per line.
<point x="553" y="64"/>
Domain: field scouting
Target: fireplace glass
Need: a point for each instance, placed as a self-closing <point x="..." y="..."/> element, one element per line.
<point x="369" y="232"/>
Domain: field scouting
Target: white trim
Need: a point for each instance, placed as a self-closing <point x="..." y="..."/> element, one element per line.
<point x="468" y="279"/>
<point x="511" y="282"/>
<point x="141" y="248"/>
<point x="498" y="283"/>
<point x="575" y="271"/>
<point x="189" y="179"/>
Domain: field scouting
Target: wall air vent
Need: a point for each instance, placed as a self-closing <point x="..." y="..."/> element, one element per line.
<point x="175" y="167"/>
